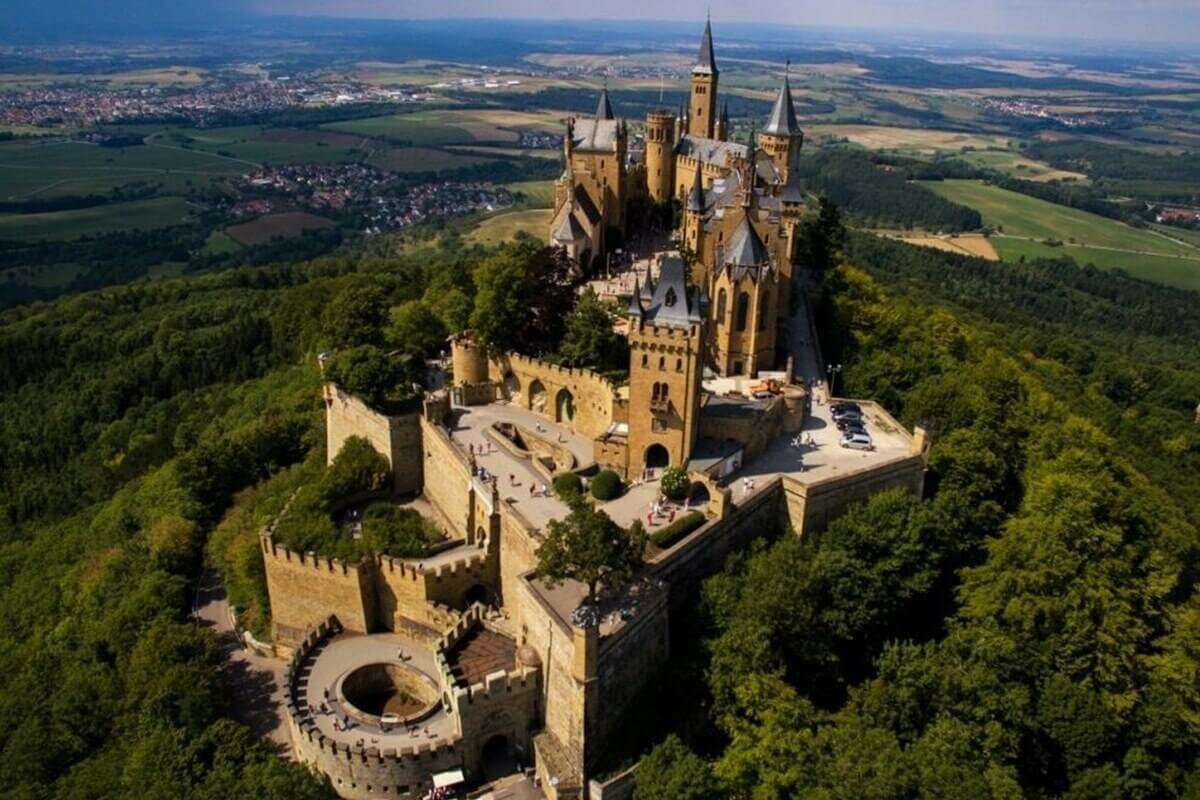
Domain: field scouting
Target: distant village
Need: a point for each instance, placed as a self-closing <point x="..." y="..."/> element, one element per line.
<point x="366" y="197"/>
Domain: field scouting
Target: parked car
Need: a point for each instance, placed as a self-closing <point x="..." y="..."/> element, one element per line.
<point x="838" y="408"/>
<point x="387" y="720"/>
<point x="848" y="421"/>
<point x="851" y="427"/>
<point x="857" y="441"/>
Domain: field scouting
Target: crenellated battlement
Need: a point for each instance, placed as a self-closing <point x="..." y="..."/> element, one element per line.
<point x="309" y="559"/>
<point x="577" y="373"/>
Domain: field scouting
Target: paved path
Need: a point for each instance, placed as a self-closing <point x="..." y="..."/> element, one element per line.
<point x="257" y="681"/>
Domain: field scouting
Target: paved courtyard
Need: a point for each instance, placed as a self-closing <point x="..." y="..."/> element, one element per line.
<point x="348" y="652"/>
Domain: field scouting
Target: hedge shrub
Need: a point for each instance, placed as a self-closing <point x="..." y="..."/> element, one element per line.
<point x="681" y="527"/>
<point x="568" y="485"/>
<point x="606" y="485"/>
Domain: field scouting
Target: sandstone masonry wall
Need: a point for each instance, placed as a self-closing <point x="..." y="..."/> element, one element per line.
<point x="447" y="477"/>
<point x="306" y="589"/>
<point x="592" y="394"/>
<point x="397" y="438"/>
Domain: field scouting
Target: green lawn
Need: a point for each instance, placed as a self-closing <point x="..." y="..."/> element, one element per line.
<point x="158" y="212"/>
<point x="503" y="227"/>
<point x="1024" y="223"/>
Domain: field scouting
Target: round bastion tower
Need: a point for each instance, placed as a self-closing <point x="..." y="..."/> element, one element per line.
<point x="468" y="359"/>
<point x="660" y="154"/>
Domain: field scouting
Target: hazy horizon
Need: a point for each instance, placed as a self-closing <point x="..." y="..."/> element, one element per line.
<point x="1150" y="21"/>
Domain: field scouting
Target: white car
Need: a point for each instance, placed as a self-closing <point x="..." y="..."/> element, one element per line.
<point x="857" y="441"/>
<point x="389" y="719"/>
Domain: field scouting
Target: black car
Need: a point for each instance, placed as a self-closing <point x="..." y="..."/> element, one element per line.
<point x="848" y="416"/>
<point x="847" y="425"/>
<point x="840" y="407"/>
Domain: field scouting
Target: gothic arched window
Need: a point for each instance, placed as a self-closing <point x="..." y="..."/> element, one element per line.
<point x="743" y="311"/>
<point x="721" y="307"/>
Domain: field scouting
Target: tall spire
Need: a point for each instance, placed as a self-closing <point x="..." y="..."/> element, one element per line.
<point x="604" y="109"/>
<point x="705" y="62"/>
<point x="695" y="200"/>
<point x="782" y="120"/>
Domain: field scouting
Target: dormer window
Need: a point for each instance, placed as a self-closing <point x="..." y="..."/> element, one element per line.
<point x="670" y="299"/>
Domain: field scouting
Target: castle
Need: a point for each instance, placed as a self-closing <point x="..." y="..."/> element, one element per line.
<point x="741" y="206"/>
<point x="486" y="667"/>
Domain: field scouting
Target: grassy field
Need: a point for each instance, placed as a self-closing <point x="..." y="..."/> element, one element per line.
<point x="502" y="227"/>
<point x="55" y="168"/>
<point x="220" y="243"/>
<point x="1021" y="215"/>
<point x="158" y="212"/>
<point x="48" y="276"/>
<point x="272" y="226"/>
<point x="916" y="140"/>
<point x="1025" y="223"/>
<point x="451" y="126"/>
<point x="1016" y="165"/>
<point x="1167" y="270"/>
<point x="539" y="194"/>
<point x="966" y="245"/>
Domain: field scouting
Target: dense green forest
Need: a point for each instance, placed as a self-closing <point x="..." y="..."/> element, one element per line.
<point x="1029" y="628"/>
<point x="875" y="194"/>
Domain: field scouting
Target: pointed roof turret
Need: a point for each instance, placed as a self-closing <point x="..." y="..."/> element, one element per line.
<point x="604" y="108"/>
<point x="705" y="62"/>
<point x="782" y="120"/>
<point x="746" y="248"/>
<point x="695" y="202"/>
<point x="635" y="300"/>
<point x="725" y="115"/>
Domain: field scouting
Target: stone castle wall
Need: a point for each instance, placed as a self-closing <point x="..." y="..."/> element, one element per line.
<point x="305" y="589"/>
<point x="397" y="438"/>
<point x="447" y="478"/>
<point x="592" y="394"/>
<point x="358" y="773"/>
<point x="811" y="507"/>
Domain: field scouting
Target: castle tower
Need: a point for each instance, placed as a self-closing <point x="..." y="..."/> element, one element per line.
<point x="745" y="284"/>
<point x="781" y="137"/>
<point x="723" y="128"/>
<point x="666" y="347"/>
<point x="703" y="106"/>
<point x="660" y="159"/>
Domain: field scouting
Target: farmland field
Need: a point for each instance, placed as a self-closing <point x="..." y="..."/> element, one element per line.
<point x="58" y="167"/>
<point x="539" y="194"/>
<point x="1016" y="165"/>
<point x="1025" y="223"/>
<point x="271" y="226"/>
<point x="503" y="227"/>
<point x="450" y="126"/>
<point x="1022" y="215"/>
<point x="967" y="245"/>
<point x="1168" y="270"/>
<point x="158" y="212"/>
<point x="882" y="137"/>
<point x="422" y="159"/>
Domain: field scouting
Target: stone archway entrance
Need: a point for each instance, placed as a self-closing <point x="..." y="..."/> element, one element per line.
<point x="564" y="406"/>
<point x="497" y="758"/>
<point x="537" y="397"/>
<point x="512" y="387"/>
<point x="476" y="594"/>
<point x="657" y="457"/>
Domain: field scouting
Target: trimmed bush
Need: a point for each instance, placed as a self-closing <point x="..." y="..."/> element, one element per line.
<point x="606" y="485"/>
<point x="681" y="527"/>
<point x="675" y="483"/>
<point x="568" y="485"/>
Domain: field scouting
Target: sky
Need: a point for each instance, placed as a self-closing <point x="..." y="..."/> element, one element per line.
<point x="1149" y="20"/>
<point x="1126" y="20"/>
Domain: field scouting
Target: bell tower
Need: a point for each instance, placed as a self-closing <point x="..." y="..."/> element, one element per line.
<point x="702" y="108"/>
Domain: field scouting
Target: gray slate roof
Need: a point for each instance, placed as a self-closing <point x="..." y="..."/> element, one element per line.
<point x="782" y="120"/>
<point x="671" y="305"/>
<point x="710" y="151"/>
<point x="595" y="135"/>
<point x="695" y="200"/>
<point x="604" y="109"/>
<point x="745" y="248"/>
<point x="705" y="62"/>
<point x="569" y="230"/>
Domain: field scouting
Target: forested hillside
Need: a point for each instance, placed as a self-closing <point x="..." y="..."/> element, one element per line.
<point x="1030" y="628"/>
